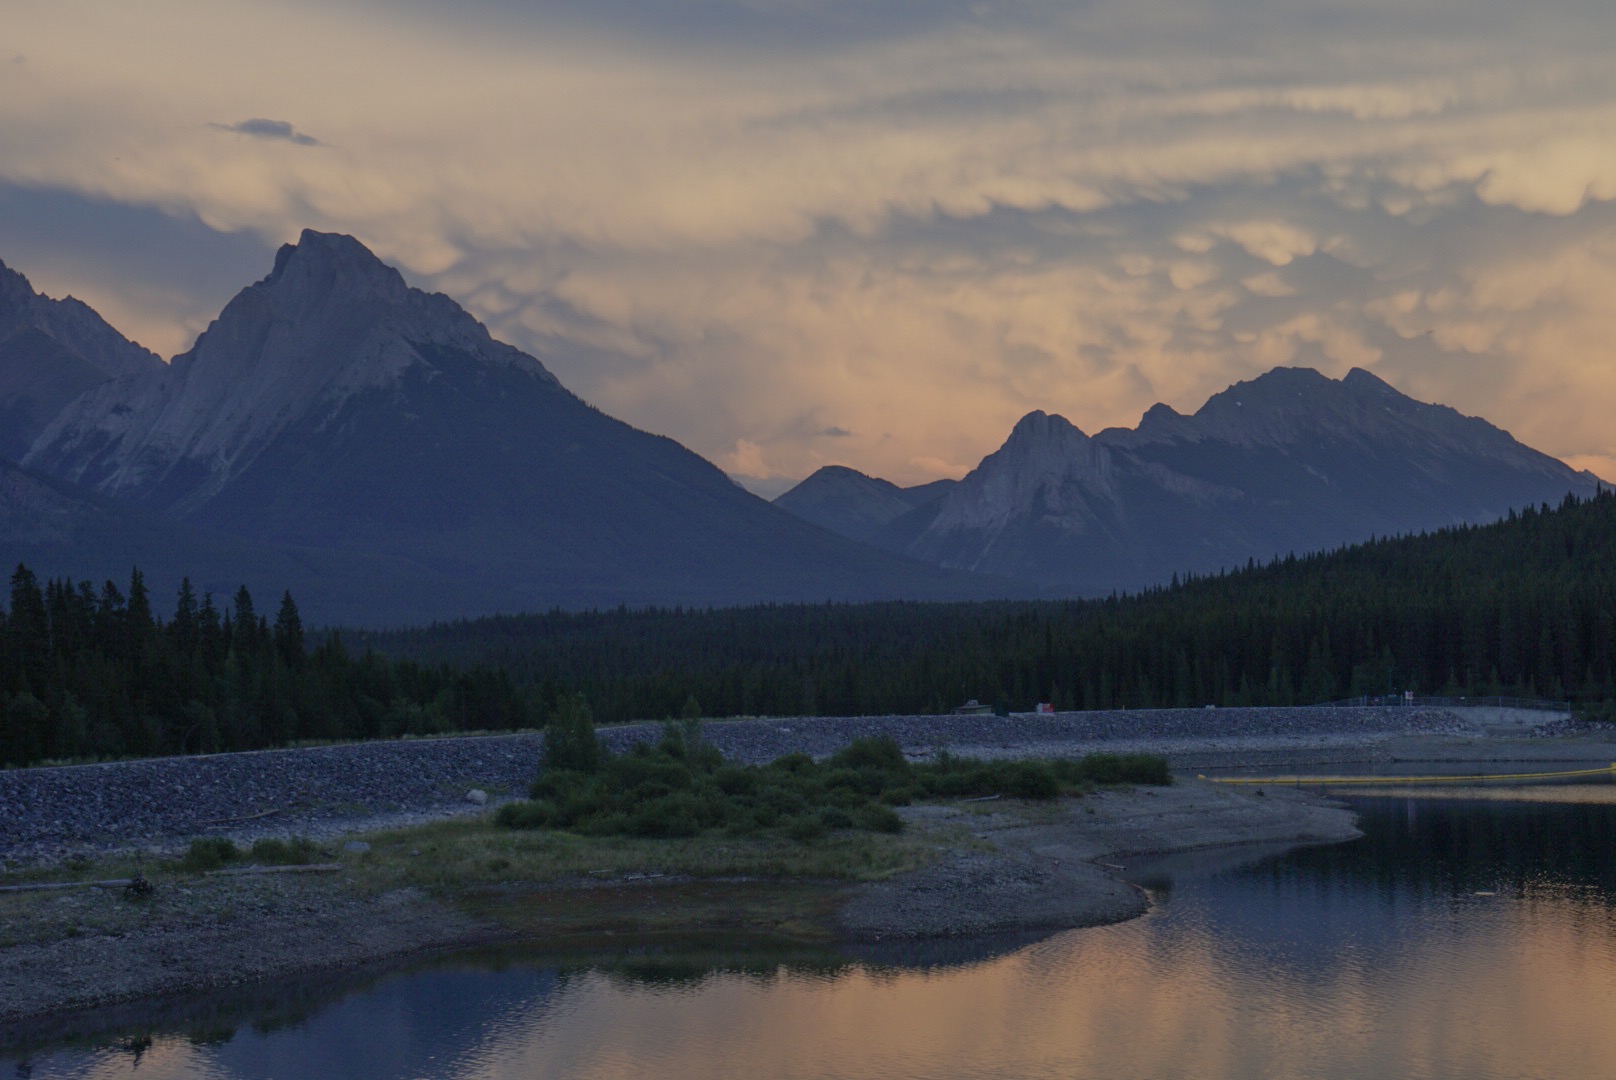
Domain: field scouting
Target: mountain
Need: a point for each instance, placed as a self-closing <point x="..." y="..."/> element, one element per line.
<point x="1289" y="461"/>
<point x="61" y="531"/>
<point x="335" y="411"/>
<point x="51" y="351"/>
<point x="848" y="502"/>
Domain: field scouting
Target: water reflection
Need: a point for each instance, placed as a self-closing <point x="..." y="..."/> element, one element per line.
<point x="1457" y="939"/>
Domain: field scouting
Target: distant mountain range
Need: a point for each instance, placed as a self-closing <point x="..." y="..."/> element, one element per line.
<point x="1291" y="461"/>
<point x="408" y="467"/>
<point x="372" y="448"/>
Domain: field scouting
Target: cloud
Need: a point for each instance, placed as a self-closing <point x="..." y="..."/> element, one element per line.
<point x="269" y="129"/>
<point x="916" y="221"/>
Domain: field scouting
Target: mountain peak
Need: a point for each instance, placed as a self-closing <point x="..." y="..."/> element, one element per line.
<point x="1360" y="381"/>
<point x="1039" y="426"/>
<point x="51" y="351"/>
<point x="335" y="262"/>
<point x="330" y="324"/>
<point x="14" y="288"/>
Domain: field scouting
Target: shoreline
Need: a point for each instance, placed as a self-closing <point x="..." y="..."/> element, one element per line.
<point x="1047" y="869"/>
<point x="1008" y="868"/>
<point x="1013" y="868"/>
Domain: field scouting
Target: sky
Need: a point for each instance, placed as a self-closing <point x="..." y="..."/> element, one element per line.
<point x="792" y="233"/>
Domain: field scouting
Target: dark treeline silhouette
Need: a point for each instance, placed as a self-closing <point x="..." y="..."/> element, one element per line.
<point x="1526" y="606"/>
<point x="88" y="673"/>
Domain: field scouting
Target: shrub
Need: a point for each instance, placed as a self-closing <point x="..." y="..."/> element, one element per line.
<point x="536" y="814"/>
<point x="209" y="853"/>
<point x="878" y="818"/>
<point x="669" y="816"/>
<point x="834" y="817"/>
<point x="559" y="784"/>
<point x="860" y="781"/>
<point x="735" y="781"/>
<point x="651" y="774"/>
<point x="570" y="741"/>
<point x="1031" y="780"/>
<point x="682" y="787"/>
<point x="805" y="828"/>
<point x="298" y="851"/>
<point x="881" y="753"/>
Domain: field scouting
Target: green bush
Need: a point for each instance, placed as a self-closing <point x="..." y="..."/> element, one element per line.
<point x="681" y="787"/>
<point x="805" y="828"/>
<point x="209" y="853"/>
<point x="878" y="818"/>
<point x="669" y="816"/>
<point x="570" y="741"/>
<point x="559" y="784"/>
<point x="1031" y="780"/>
<point x="881" y="753"/>
<point x="834" y="817"/>
<point x="535" y="814"/>
<point x="736" y="781"/>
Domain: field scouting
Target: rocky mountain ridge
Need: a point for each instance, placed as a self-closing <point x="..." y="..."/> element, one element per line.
<point x="51" y="351"/>
<point x="1291" y="461"/>
<point x="378" y="436"/>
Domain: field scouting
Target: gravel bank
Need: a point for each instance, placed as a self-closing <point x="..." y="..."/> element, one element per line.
<point x="48" y="814"/>
<point x="1011" y="869"/>
<point x="1037" y="868"/>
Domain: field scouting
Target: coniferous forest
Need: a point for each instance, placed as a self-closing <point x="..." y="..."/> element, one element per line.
<point x="88" y="673"/>
<point x="1526" y="607"/>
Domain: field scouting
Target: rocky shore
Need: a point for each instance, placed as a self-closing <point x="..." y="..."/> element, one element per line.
<point x="48" y="814"/>
<point x="1008" y="868"/>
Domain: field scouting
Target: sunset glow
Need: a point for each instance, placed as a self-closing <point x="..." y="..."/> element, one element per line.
<point x="791" y="233"/>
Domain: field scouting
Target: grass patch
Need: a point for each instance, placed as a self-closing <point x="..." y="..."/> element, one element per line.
<point x="298" y="851"/>
<point x="448" y="856"/>
<point x="208" y="853"/>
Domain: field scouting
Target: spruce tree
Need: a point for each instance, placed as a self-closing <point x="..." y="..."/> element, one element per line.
<point x="289" y="633"/>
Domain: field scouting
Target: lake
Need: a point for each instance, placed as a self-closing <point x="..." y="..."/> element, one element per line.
<point x="1468" y="936"/>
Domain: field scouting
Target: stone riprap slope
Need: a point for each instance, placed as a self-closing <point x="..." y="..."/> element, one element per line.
<point x="321" y="792"/>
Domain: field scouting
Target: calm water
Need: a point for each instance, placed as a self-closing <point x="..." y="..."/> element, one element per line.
<point x="1464" y="938"/>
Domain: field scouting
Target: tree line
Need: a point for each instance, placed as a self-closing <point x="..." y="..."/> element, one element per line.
<point x="1525" y="606"/>
<point x="90" y="673"/>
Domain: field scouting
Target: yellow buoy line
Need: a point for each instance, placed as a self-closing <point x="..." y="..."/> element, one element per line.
<point x="1336" y="781"/>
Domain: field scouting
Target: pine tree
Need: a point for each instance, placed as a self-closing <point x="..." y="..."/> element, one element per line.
<point x="289" y="633"/>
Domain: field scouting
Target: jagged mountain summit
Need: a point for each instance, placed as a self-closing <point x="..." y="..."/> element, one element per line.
<point x="1291" y="461"/>
<point x="51" y="351"/>
<point x="333" y="410"/>
<point x="330" y="325"/>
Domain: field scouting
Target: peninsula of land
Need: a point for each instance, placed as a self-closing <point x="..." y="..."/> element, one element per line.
<point x="964" y="870"/>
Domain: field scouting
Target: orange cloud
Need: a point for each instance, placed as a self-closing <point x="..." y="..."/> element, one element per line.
<point x="916" y="234"/>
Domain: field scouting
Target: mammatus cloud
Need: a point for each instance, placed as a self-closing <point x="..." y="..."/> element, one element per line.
<point x="881" y="246"/>
<point x="269" y="129"/>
